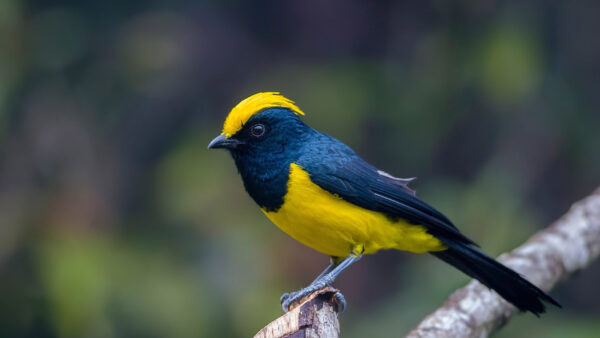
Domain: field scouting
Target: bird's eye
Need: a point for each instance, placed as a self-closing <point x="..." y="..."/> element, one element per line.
<point x="257" y="130"/>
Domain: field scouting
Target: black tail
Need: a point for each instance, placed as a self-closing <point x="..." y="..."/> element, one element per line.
<point x="506" y="282"/>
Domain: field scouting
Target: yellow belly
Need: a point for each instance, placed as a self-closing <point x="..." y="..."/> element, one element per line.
<point x="329" y="224"/>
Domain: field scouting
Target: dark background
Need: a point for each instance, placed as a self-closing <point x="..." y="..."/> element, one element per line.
<point x="116" y="221"/>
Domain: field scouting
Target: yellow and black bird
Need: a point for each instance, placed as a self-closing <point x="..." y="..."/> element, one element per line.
<point x="320" y="192"/>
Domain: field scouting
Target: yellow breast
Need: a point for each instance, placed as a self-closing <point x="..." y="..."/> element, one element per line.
<point x="330" y="225"/>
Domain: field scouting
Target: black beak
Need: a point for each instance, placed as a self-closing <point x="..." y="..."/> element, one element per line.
<point x="222" y="141"/>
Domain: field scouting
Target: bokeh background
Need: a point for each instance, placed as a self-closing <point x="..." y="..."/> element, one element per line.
<point x="116" y="221"/>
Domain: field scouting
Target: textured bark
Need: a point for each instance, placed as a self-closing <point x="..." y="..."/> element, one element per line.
<point x="551" y="255"/>
<point x="314" y="317"/>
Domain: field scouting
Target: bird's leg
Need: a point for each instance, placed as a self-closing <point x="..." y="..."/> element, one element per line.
<point x="333" y="262"/>
<point x="325" y="278"/>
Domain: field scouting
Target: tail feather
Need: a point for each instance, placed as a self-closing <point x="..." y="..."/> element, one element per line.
<point x="506" y="282"/>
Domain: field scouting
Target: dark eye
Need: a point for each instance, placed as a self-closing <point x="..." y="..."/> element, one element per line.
<point x="257" y="130"/>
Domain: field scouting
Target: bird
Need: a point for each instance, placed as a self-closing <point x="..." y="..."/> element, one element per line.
<point x="323" y="194"/>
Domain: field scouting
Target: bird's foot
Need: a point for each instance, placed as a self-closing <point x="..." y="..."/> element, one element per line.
<point x="288" y="299"/>
<point x="341" y="300"/>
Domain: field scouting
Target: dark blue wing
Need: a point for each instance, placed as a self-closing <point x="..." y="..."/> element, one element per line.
<point x="336" y="168"/>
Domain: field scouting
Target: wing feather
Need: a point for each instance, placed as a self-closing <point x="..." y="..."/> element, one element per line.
<point x="358" y="182"/>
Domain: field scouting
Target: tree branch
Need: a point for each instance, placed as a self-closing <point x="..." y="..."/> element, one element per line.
<point x="551" y="255"/>
<point x="314" y="317"/>
<point x="569" y="245"/>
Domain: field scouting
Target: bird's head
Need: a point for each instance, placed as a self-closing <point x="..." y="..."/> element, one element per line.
<point x="262" y="130"/>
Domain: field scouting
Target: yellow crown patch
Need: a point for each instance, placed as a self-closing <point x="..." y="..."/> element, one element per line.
<point x="243" y="111"/>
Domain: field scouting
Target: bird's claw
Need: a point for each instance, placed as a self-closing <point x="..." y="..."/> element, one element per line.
<point x="341" y="301"/>
<point x="283" y="298"/>
<point x="288" y="298"/>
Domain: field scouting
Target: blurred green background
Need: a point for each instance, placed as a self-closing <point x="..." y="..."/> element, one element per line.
<point x="116" y="221"/>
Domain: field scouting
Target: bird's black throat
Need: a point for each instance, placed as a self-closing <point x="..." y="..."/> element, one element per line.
<point x="264" y="162"/>
<point x="265" y="183"/>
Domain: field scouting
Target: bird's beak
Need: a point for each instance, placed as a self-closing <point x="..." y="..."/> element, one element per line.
<point x="222" y="141"/>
